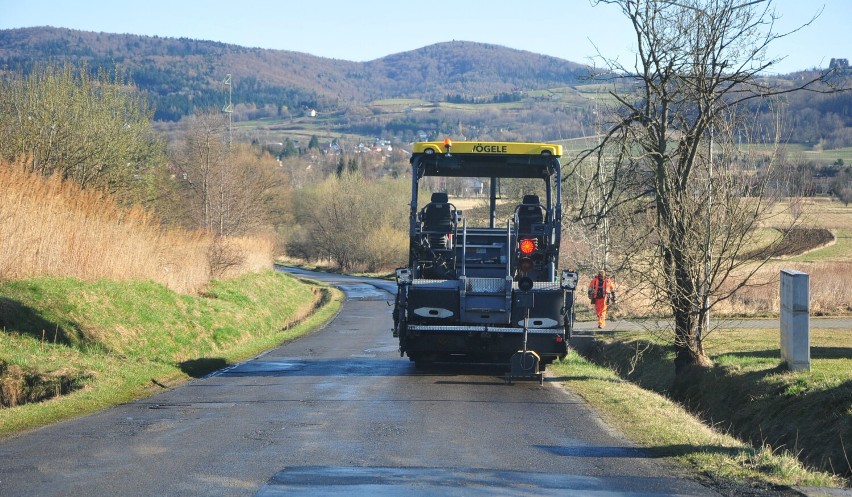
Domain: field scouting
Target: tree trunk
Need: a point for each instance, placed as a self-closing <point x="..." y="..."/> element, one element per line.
<point x="688" y="348"/>
<point x="689" y="351"/>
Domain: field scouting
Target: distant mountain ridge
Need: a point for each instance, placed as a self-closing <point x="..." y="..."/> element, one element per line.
<point x="182" y="74"/>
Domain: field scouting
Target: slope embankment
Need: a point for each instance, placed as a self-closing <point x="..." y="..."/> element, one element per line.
<point x="70" y="347"/>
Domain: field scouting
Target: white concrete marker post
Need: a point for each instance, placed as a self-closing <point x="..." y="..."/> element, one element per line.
<point x="795" y="320"/>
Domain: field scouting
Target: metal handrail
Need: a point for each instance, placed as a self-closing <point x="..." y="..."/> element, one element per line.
<point x="509" y="249"/>
<point x="464" y="247"/>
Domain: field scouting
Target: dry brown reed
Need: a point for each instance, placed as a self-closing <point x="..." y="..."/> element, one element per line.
<point x="52" y="227"/>
<point x="830" y="291"/>
<point x="254" y="254"/>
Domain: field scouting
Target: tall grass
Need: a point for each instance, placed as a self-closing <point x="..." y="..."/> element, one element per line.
<point x="830" y="292"/>
<point x="51" y="227"/>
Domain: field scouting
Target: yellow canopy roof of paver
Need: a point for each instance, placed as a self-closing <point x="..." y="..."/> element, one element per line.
<point x="490" y="148"/>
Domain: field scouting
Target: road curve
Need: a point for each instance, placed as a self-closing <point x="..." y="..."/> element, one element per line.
<point x="340" y="413"/>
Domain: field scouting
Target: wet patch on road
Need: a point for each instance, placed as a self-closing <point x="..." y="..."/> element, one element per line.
<point x="382" y="349"/>
<point x="384" y="481"/>
<point x="362" y="291"/>
<point x="352" y="366"/>
<point x="595" y="451"/>
<point x="264" y="368"/>
<point x="159" y="406"/>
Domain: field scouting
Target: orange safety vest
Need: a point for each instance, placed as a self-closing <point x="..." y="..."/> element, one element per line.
<point x="599" y="289"/>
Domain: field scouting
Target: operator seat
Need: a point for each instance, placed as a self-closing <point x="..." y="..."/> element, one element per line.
<point x="529" y="212"/>
<point x="437" y="218"/>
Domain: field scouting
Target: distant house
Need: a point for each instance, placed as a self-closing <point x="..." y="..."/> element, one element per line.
<point x="473" y="187"/>
<point x="330" y="148"/>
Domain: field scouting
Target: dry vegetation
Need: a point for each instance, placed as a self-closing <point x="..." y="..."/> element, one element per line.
<point x="51" y="227"/>
<point x="356" y="224"/>
<point x="830" y="293"/>
<point x="828" y="263"/>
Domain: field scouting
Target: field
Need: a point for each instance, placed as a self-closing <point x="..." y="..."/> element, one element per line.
<point x="798" y="151"/>
<point x="298" y="129"/>
<point x="824" y="213"/>
<point x="829" y="266"/>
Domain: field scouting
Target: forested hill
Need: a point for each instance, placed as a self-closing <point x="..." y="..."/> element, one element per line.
<point x="180" y="74"/>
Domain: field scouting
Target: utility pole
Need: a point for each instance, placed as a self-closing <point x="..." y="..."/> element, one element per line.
<point x="229" y="109"/>
<point x="709" y="239"/>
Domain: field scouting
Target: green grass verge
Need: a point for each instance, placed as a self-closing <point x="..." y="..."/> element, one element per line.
<point x="756" y="422"/>
<point x="113" y="342"/>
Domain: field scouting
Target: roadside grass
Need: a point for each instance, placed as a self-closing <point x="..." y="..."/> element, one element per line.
<point x="113" y="342"/>
<point x="765" y="424"/>
<point x="667" y="430"/>
<point x="746" y="419"/>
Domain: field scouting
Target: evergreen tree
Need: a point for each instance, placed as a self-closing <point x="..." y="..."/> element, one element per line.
<point x="289" y="149"/>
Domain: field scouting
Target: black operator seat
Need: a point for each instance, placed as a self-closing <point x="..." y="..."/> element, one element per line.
<point x="437" y="218"/>
<point x="437" y="215"/>
<point x="529" y="212"/>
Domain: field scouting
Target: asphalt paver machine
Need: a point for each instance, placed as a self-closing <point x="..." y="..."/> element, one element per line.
<point x="485" y="289"/>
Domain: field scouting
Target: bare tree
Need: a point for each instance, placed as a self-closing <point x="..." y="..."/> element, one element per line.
<point x="198" y="157"/>
<point x="667" y="169"/>
<point x="229" y="189"/>
<point x="246" y="188"/>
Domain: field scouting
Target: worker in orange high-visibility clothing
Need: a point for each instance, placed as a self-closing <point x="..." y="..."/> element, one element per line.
<point x="601" y="293"/>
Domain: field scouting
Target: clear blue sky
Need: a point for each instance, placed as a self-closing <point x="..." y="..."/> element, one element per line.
<point x="360" y="31"/>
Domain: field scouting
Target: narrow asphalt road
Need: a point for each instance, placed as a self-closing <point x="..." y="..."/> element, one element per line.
<point x="340" y="413"/>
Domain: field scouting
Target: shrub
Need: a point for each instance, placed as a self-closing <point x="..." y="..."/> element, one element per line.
<point x="355" y="223"/>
